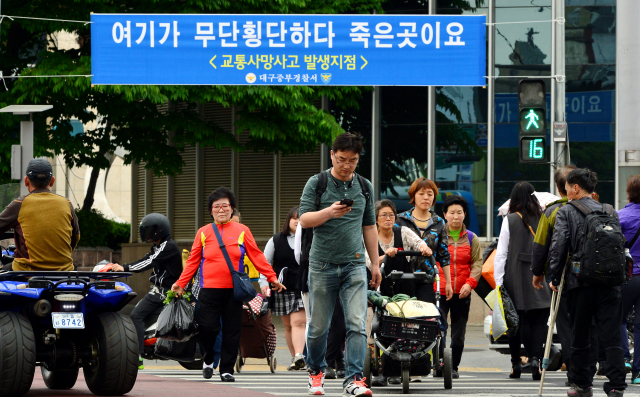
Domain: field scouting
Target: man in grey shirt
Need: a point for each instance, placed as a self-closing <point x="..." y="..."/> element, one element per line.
<point x="337" y="266"/>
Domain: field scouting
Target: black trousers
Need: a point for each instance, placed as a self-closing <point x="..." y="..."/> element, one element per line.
<point x="336" y="339"/>
<point x="603" y="304"/>
<point x="532" y="331"/>
<point x="563" y="325"/>
<point x="214" y="304"/>
<point x="459" y="309"/>
<point x="146" y="306"/>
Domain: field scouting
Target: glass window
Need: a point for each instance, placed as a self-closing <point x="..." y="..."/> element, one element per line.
<point x="471" y="103"/>
<point x="523" y="43"/>
<point x="590" y="78"/>
<point x="461" y="169"/>
<point x="403" y="105"/>
<point x="358" y="120"/>
<point x="590" y="35"/>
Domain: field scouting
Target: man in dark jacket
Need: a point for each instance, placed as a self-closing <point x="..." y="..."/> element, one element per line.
<point x="586" y="302"/>
<point x="540" y="258"/>
<point x="165" y="258"/>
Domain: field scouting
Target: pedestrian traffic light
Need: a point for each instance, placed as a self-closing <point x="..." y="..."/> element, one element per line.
<point x="532" y="121"/>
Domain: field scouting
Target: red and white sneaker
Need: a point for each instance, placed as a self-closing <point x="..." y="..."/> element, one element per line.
<point x="357" y="388"/>
<point x="316" y="383"/>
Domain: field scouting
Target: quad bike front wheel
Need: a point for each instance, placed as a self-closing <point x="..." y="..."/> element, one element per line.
<point x="114" y="370"/>
<point x="17" y="354"/>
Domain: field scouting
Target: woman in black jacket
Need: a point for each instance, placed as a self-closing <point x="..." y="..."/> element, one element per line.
<point x="423" y="221"/>
<point x="512" y="269"/>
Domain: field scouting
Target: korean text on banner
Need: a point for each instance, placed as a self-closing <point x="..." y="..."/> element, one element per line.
<point x="214" y="49"/>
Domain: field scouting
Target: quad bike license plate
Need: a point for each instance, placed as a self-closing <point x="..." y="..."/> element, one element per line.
<point x="68" y="320"/>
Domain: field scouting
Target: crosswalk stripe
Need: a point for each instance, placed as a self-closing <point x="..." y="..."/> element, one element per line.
<point x="433" y="395"/>
<point x="427" y="388"/>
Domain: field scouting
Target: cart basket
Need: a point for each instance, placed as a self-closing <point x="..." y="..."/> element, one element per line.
<point x="420" y="329"/>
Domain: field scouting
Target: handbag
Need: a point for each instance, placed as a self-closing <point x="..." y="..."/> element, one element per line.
<point x="259" y="306"/>
<point x="487" y="269"/>
<point x="243" y="290"/>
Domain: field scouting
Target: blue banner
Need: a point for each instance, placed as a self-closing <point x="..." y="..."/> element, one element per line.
<point x="214" y="49"/>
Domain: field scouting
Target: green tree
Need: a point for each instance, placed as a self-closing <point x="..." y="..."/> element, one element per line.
<point x="128" y="116"/>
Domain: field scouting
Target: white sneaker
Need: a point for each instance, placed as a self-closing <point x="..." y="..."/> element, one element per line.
<point x="316" y="384"/>
<point x="298" y="361"/>
<point x="357" y="388"/>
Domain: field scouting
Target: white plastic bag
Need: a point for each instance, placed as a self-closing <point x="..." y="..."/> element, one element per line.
<point x="412" y="308"/>
<point x="498" y="320"/>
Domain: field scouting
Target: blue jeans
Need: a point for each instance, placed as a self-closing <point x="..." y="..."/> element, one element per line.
<point x="328" y="281"/>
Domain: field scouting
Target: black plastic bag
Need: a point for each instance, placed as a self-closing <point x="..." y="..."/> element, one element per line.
<point x="179" y="351"/>
<point x="510" y="312"/>
<point x="177" y="321"/>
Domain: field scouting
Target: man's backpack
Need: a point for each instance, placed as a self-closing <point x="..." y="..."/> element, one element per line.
<point x="307" y="234"/>
<point x="600" y="259"/>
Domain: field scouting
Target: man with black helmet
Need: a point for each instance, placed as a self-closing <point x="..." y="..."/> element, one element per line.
<point x="45" y="226"/>
<point x="165" y="258"/>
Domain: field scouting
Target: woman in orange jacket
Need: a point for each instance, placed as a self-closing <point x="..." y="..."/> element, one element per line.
<point x="465" y="268"/>
<point x="215" y="300"/>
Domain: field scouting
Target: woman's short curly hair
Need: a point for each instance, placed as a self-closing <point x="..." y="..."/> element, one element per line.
<point x="633" y="189"/>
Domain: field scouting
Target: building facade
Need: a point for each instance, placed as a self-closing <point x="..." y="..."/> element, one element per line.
<point x="396" y="118"/>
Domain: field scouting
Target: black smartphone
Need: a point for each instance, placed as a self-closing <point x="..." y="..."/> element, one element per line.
<point x="348" y="202"/>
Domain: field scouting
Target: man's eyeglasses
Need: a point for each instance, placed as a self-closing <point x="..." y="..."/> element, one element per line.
<point x="223" y="206"/>
<point x="386" y="216"/>
<point x="342" y="160"/>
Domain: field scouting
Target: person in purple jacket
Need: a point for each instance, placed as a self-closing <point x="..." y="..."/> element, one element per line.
<point x="630" y="223"/>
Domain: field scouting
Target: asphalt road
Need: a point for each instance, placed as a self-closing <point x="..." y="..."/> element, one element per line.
<point x="479" y="383"/>
<point x="482" y="373"/>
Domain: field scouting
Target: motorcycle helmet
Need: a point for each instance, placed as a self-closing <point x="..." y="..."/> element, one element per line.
<point x="154" y="227"/>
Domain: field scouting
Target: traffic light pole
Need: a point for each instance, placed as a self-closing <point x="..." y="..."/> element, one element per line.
<point x="559" y="136"/>
<point x="490" y="114"/>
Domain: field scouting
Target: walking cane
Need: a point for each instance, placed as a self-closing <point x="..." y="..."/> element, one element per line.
<point x="555" y="305"/>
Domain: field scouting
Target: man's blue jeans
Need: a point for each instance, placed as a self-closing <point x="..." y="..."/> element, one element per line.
<point x="328" y="281"/>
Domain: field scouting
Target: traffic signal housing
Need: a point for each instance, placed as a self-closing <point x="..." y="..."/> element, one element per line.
<point x="532" y="121"/>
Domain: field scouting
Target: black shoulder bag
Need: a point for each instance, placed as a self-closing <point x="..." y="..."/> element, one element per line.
<point x="243" y="290"/>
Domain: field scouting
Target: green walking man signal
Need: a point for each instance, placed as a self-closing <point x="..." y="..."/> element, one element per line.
<point x="532" y="121"/>
<point x="533" y="118"/>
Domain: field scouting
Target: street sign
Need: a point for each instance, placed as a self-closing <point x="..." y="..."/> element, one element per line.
<point x="560" y="131"/>
<point x="183" y="49"/>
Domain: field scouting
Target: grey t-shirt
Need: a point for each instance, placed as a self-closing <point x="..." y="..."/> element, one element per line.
<point x="339" y="240"/>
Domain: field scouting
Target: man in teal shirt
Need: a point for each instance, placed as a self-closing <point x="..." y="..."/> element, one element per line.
<point x="337" y="265"/>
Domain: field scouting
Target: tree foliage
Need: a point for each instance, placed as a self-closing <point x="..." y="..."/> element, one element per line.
<point x="128" y="116"/>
